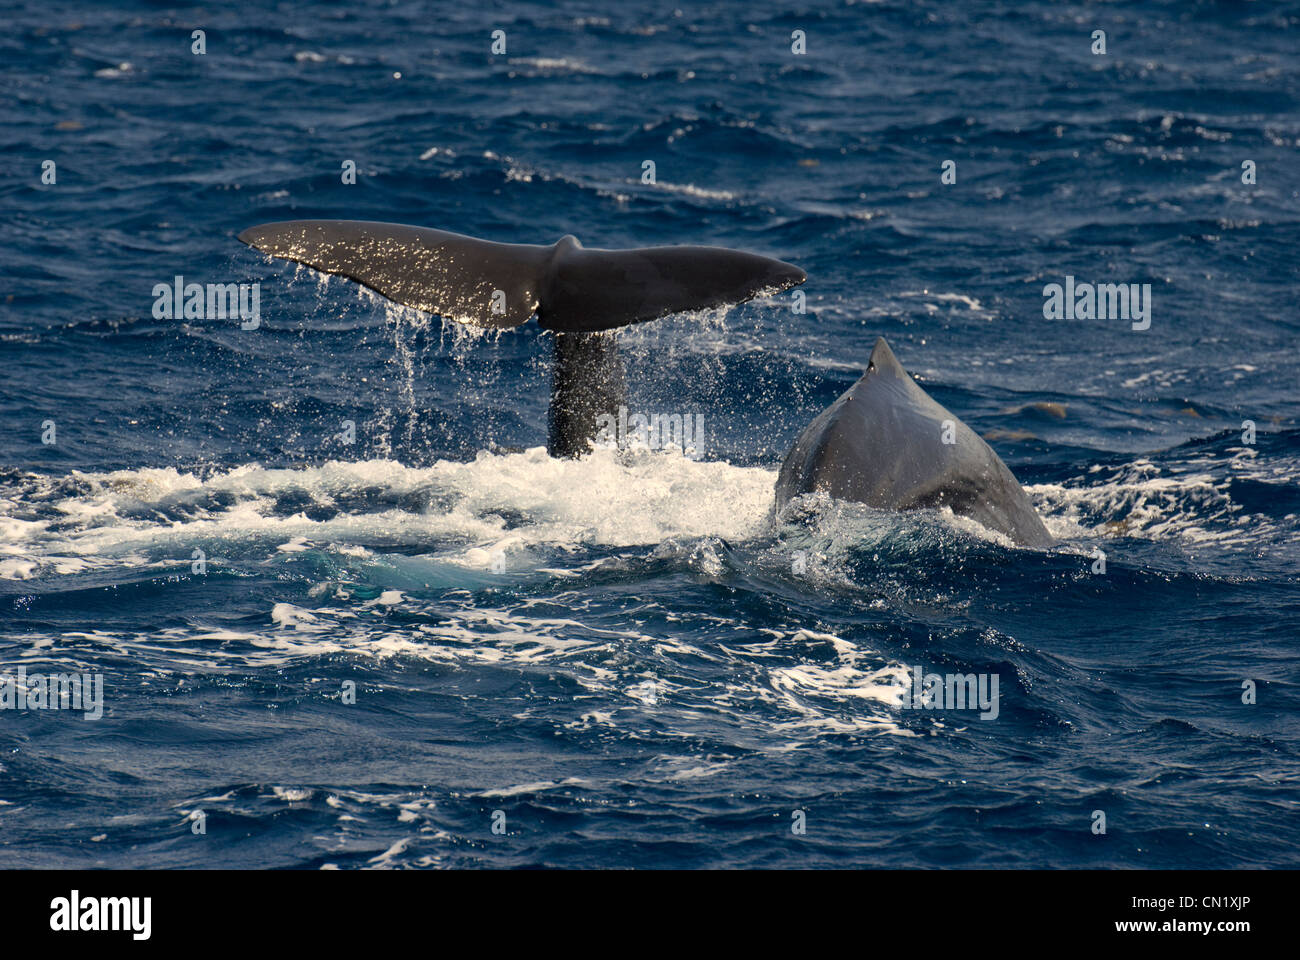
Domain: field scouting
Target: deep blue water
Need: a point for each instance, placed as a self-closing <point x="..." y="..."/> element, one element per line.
<point x="648" y="682"/>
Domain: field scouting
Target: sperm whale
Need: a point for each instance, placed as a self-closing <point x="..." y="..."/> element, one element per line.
<point x="885" y="442"/>
<point x="575" y="292"/>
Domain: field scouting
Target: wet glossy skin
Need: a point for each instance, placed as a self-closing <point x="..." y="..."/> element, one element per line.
<point x="882" y="443"/>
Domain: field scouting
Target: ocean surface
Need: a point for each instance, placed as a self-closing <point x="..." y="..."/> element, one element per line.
<point x="322" y="654"/>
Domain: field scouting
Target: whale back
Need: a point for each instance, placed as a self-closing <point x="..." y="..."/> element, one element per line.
<point x="882" y="443"/>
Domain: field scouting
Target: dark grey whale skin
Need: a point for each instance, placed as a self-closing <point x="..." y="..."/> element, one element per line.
<point x="568" y="287"/>
<point x="576" y="293"/>
<point x="881" y="444"/>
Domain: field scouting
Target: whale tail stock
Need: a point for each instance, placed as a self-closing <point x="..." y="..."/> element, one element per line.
<point x="575" y="292"/>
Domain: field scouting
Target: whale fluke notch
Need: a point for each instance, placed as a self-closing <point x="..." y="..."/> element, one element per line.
<point x="487" y="284"/>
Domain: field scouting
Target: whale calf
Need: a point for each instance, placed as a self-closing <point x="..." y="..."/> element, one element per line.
<point x="886" y="443"/>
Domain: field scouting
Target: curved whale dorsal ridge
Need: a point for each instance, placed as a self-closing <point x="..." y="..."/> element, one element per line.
<point x="480" y="282"/>
<point x="883" y="361"/>
<point x="887" y="443"/>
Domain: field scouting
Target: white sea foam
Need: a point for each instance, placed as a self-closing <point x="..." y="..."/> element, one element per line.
<point x="554" y="64"/>
<point x="968" y="302"/>
<point x="607" y="499"/>
<point x="444" y="521"/>
<point x="1188" y="501"/>
<point x="691" y="190"/>
<point x="527" y="508"/>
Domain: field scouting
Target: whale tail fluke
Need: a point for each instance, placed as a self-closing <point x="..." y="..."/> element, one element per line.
<point x="576" y="293"/>
<point x="487" y="284"/>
